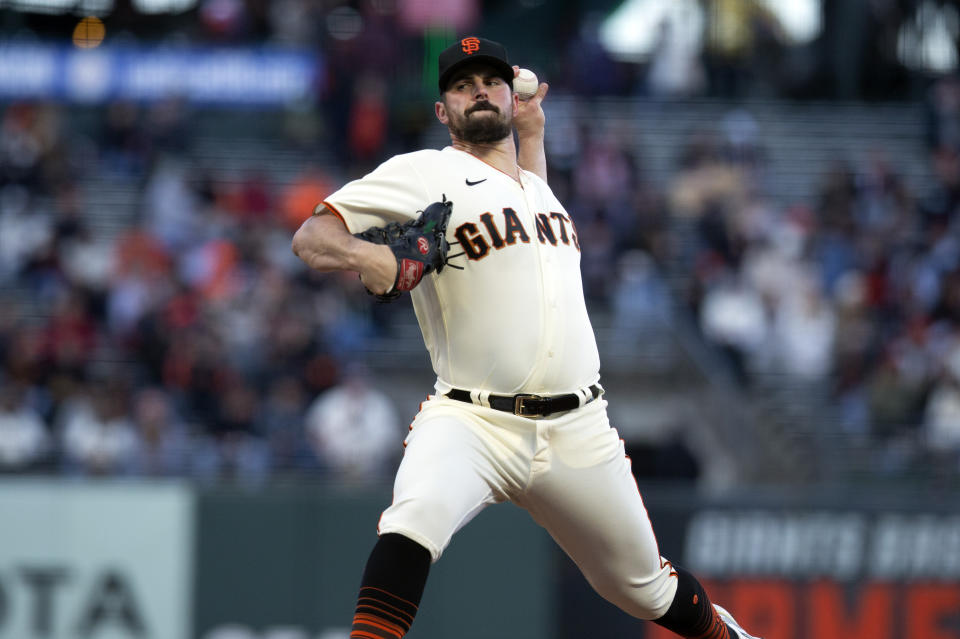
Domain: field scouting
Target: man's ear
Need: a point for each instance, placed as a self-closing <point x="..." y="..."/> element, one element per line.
<point x="441" y="110"/>
<point x="516" y="102"/>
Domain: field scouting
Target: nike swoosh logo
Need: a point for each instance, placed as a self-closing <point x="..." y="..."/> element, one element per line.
<point x="469" y="183"/>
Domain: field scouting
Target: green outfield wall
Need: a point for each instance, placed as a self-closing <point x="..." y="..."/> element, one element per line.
<point x="287" y="563"/>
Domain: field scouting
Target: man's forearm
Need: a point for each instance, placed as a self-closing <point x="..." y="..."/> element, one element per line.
<point x="324" y="244"/>
<point x="532" y="155"/>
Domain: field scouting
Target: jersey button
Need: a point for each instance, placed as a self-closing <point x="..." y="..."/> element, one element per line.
<point x="550" y="354"/>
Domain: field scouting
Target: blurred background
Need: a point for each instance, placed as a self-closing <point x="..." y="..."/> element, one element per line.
<point x="197" y="435"/>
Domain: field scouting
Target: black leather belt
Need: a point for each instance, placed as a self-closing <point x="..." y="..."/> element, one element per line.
<point x="528" y="405"/>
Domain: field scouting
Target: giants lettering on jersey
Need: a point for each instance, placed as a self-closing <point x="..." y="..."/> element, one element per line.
<point x="551" y="228"/>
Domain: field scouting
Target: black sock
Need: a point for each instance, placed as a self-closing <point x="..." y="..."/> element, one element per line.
<point x="691" y="614"/>
<point x="391" y="588"/>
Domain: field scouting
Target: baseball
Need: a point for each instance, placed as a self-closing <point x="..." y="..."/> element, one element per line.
<point x="525" y="84"/>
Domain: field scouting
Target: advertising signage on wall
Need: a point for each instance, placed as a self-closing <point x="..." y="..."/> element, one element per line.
<point x="890" y="570"/>
<point x="95" y="561"/>
<point x="832" y="574"/>
<point x="236" y="76"/>
<point x="825" y="545"/>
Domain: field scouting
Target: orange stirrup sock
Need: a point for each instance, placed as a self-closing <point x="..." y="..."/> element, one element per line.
<point x="390" y="592"/>
<point x="381" y="615"/>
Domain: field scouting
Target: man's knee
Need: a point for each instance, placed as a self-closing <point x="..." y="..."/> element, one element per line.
<point x="647" y="597"/>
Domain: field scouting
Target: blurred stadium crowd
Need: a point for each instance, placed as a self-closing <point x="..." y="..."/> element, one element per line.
<point x="190" y="342"/>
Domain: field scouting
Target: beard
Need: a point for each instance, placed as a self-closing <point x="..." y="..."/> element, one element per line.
<point x="480" y="130"/>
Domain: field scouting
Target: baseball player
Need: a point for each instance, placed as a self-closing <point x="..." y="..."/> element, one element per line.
<point x="518" y="412"/>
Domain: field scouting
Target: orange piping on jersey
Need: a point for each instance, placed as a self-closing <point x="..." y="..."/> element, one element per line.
<point x="334" y="210"/>
<point x="515" y="179"/>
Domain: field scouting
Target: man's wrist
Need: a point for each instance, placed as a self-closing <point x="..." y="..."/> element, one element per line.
<point x="531" y="136"/>
<point x="377" y="261"/>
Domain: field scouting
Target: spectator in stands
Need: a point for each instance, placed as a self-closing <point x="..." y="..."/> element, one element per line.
<point x="312" y="185"/>
<point x="942" y="106"/>
<point x="242" y="452"/>
<point x="282" y="422"/>
<point x="97" y="433"/>
<point x="24" y="440"/>
<point x="804" y="329"/>
<point x="941" y="421"/>
<point x="164" y="448"/>
<point x="742" y="37"/>
<point x="353" y="429"/>
<point x="641" y="299"/>
<point x="895" y="396"/>
<point x="675" y="69"/>
<point x="124" y="142"/>
<point x="71" y="334"/>
<point x="598" y="257"/>
<point x="368" y="121"/>
<point x="856" y="335"/>
<point x="171" y="206"/>
<point x="28" y="134"/>
<point x="734" y="318"/>
<point x="24" y="232"/>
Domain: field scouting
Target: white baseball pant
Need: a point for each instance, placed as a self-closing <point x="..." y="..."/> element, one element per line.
<point x="569" y="471"/>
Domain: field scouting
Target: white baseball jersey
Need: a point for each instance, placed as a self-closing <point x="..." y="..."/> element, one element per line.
<point x="514" y="320"/>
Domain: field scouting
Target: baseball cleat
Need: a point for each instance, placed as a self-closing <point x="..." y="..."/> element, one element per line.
<point x="728" y="619"/>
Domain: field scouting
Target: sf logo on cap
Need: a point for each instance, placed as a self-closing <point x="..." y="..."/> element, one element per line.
<point x="470" y="45"/>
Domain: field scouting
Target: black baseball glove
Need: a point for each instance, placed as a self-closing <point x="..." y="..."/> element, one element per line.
<point x="420" y="246"/>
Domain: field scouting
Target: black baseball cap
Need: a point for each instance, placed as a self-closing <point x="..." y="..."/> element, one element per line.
<point x="473" y="49"/>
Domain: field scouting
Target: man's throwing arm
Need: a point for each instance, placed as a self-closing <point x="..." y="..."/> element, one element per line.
<point x="324" y="244"/>
<point x="530" y="123"/>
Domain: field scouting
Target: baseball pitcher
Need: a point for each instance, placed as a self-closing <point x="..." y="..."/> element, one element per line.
<point x="492" y="261"/>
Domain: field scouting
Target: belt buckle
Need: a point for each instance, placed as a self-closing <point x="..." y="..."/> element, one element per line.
<point x="520" y="410"/>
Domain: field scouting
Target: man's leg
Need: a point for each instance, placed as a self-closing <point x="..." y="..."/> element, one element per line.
<point x="390" y="590"/>
<point x="691" y="614"/>
<point x="587" y="499"/>
<point x="445" y="479"/>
